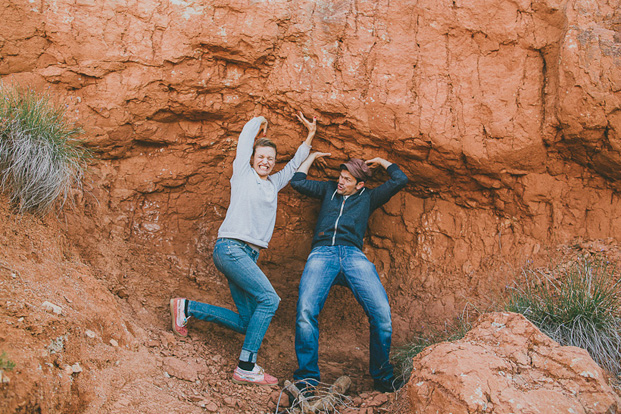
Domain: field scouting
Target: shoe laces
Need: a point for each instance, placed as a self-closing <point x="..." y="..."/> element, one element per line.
<point x="257" y="370"/>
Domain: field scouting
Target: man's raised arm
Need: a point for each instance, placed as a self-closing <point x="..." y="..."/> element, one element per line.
<point x="397" y="181"/>
<point x="305" y="166"/>
<point x="308" y="187"/>
<point x="377" y="160"/>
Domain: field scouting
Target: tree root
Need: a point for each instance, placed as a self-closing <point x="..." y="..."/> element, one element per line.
<point x="324" y="400"/>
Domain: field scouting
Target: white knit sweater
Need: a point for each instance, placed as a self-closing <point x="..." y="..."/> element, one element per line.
<point x="251" y="215"/>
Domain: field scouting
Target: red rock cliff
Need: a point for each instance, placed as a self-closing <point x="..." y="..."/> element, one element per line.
<point x="504" y="114"/>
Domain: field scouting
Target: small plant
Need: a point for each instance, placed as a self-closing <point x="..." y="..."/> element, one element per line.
<point x="576" y="303"/>
<point x="5" y="363"/>
<point x="40" y="155"/>
<point x="402" y="356"/>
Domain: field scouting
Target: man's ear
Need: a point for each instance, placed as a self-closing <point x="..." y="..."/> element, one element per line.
<point x="359" y="185"/>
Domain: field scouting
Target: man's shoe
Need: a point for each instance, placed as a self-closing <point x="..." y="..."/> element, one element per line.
<point x="257" y="376"/>
<point x="306" y="388"/>
<point x="391" y="385"/>
<point x="179" y="320"/>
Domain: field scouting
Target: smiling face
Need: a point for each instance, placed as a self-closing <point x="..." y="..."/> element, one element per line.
<point x="263" y="161"/>
<point x="348" y="184"/>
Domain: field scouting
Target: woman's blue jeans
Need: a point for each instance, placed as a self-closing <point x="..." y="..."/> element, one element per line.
<point x="253" y="294"/>
<point x="325" y="267"/>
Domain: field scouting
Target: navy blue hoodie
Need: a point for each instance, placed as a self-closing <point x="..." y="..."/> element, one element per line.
<point x="343" y="222"/>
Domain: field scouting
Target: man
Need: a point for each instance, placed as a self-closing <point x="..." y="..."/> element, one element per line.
<point x="337" y="258"/>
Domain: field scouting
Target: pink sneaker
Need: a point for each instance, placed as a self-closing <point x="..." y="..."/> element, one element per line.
<point x="179" y="320"/>
<point x="256" y="376"/>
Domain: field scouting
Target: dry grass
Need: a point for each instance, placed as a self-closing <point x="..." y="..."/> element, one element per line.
<point x="41" y="158"/>
<point x="576" y="303"/>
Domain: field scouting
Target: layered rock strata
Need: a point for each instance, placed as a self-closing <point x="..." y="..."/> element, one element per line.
<point x="504" y="114"/>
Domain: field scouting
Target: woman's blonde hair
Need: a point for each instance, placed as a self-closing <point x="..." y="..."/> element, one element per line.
<point x="264" y="142"/>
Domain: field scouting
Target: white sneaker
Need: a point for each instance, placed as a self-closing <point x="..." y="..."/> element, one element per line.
<point x="256" y="376"/>
<point x="179" y="320"/>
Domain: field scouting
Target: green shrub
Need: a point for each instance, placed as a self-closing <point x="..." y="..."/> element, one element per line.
<point x="5" y="363"/>
<point x="40" y="155"/>
<point x="576" y="303"/>
<point x="402" y="356"/>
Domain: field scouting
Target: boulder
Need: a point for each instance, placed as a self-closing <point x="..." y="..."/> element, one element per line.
<point x="506" y="365"/>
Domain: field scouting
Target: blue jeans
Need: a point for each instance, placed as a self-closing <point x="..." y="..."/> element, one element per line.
<point x="253" y="294"/>
<point x="326" y="266"/>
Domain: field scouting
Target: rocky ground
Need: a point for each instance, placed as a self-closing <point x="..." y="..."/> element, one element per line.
<point x="90" y="332"/>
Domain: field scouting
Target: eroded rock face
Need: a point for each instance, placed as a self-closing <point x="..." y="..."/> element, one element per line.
<point x="506" y="365"/>
<point x="504" y="114"/>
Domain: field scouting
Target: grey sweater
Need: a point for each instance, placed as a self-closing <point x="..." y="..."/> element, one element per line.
<point x="252" y="210"/>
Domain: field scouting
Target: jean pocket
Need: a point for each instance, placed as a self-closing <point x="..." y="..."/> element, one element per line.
<point x="226" y="248"/>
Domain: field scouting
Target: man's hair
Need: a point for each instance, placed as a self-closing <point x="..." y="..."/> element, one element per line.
<point x="358" y="169"/>
<point x="263" y="142"/>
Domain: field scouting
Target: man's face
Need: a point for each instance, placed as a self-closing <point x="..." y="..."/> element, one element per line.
<point x="347" y="184"/>
<point x="264" y="160"/>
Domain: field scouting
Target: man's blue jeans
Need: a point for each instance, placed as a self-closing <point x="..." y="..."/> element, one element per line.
<point x="252" y="292"/>
<point x="326" y="266"/>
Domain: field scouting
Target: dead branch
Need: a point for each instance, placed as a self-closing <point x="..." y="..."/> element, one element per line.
<point x="326" y="403"/>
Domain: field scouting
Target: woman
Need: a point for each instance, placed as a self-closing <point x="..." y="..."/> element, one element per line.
<point x="247" y="229"/>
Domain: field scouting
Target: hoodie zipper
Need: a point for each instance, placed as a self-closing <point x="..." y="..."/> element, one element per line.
<point x="337" y="222"/>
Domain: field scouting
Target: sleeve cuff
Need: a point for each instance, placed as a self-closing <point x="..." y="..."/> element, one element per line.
<point x="392" y="167"/>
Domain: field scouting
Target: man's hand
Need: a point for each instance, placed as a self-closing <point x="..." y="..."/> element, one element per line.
<point x="311" y="126"/>
<point x="319" y="157"/>
<point x="304" y="167"/>
<point x="378" y="161"/>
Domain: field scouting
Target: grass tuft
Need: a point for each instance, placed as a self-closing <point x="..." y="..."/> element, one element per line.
<point x="41" y="158"/>
<point x="402" y="356"/>
<point x="5" y="363"/>
<point x="576" y="303"/>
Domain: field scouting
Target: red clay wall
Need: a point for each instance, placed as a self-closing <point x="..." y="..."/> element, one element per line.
<point x="504" y="114"/>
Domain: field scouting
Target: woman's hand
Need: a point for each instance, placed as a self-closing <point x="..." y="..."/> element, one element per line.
<point x="263" y="128"/>
<point x="311" y="126"/>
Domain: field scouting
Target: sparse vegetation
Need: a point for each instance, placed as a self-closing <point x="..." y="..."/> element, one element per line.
<point x="577" y="303"/>
<point x="402" y="356"/>
<point x="5" y="363"/>
<point x="40" y="155"/>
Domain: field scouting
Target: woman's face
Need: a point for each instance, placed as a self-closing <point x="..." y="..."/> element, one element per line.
<point x="263" y="161"/>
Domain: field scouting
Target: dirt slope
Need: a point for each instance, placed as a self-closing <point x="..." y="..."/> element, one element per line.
<point x="111" y="350"/>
